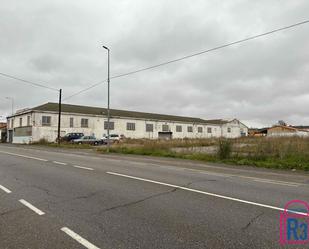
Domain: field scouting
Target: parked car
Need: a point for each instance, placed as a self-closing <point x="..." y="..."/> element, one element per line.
<point x="72" y="136"/>
<point x="87" y="140"/>
<point x="112" y="138"/>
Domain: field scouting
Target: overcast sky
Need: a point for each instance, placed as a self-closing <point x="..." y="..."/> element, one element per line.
<point x="58" y="43"/>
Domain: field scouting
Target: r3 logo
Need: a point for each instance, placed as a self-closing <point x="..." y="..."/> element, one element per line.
<point x="294" y="224"/>
<point x="297" y="230"/>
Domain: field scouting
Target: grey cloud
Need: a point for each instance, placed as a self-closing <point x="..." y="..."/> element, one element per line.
<point x="59" y="43"/>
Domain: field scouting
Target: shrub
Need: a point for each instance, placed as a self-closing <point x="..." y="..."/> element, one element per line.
<point x="225" y="149"/>
<point x="42" y="141"/>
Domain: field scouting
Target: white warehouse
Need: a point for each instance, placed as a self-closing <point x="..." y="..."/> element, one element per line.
<point x="30" y="125"/>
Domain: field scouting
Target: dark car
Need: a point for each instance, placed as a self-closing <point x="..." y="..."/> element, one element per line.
<point x="72" y="136"/>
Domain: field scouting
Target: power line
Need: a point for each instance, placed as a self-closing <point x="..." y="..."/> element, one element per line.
<point x="28" y="82"/>
<point x="192" y="55"/>
<point x="86" y="89"/>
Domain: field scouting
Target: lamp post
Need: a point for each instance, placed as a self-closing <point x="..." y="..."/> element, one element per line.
<point x="12" y="99"/>
<point x="108" y="89"/>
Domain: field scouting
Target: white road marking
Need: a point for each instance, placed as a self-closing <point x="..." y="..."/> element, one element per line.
<point x="256" y="179"/>
<point x="24" y="156"/>
<point x="290" y="184"/>
<point x="60" y="163"/>
<point x="206" y="193"/>
<point x="78" y="238"/>
<point x="6" y="190"/>
<point x="277" y="182"/>
<point x="30" y="206"/>
<point x="81" y="167"/>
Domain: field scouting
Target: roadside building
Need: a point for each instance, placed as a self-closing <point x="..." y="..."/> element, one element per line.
<point x="302" y="127"/>
<point x="3" y="131"/>
<point x="30" y="125"/>
<point x="280" y="130"/>
<point x="230" y="128"/>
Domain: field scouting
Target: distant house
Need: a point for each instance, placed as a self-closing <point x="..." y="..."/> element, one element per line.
<point x="302" y="127"/>
<point x="280" y="130"/>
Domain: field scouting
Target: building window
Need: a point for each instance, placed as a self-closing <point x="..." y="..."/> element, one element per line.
<point x="20" y="122"/>
<point x="209" y="130"/>
<point x="190" y="129"/>
<point x="12" y="123"/>
<point x="149" y="127"/>
<point x="71" y="122"/>
<point x="229" y="129"/>
<point x="28" y="120"/>
<point x="84" y="123"/>
<point x="131" y="126"/>
<point x="111" y="125"/>
<point x="46" y="120"/>
<point x="199" y="129"/>
<point x="165" y="127"/>
<point x="178" y="128"/>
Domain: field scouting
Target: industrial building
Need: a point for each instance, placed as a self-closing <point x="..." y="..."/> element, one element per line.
<point x="286" y="131"/>
<point x="31" y="125"/>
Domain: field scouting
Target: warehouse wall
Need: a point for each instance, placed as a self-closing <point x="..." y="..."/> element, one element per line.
<point x="96" y="127"/>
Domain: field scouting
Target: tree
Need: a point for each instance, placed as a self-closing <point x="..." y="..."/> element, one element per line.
<point x="281" y="122"/>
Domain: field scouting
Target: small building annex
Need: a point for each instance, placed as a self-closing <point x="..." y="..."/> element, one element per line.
<point x="30" y="125"/>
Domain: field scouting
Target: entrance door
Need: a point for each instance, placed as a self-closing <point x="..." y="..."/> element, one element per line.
<point x="10" y="136"/>
<point x="165" y="135"/>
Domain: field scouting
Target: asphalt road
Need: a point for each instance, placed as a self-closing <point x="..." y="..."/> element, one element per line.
<point x="52" y="198"/>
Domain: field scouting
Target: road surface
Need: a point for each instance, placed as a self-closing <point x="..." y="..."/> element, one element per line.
<point x="52" y="198"/>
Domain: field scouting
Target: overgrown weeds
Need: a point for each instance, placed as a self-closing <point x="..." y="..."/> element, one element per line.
<point x="276" y="152"/>
<point x="224" y="148"/>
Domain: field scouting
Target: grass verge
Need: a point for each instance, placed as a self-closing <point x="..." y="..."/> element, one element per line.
<point x="276" y="153"/>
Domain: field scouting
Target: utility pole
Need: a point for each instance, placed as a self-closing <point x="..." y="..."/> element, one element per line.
<point x="108" y="94"/>
<point x="59" y="116"/>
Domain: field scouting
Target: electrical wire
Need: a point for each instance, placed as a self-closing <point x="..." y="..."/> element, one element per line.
<point x="193" y="55"/>
<point x="28" y="82"/>
<point x="86" y="89"/>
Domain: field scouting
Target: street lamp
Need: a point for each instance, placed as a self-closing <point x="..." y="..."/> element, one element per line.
<point x="12" y="99"/>
<point x="108" y="88"/>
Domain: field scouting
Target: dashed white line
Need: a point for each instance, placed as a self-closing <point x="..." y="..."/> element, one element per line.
<point x="78" y="238"/>
<point x="6" y="190"/>
<point x="60" y="163"/>
<point x="206" y="193"/>
<point x="277" y="182"/>
<point x="81" y="167"/>
<point x="24" y="156"/>
<point x="30" y="206"/>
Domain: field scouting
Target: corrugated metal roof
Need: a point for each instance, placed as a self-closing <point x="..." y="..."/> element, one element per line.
<point x="78" y="109"/>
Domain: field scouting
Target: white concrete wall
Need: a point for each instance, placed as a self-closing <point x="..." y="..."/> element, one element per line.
<point x="22" y="140"/>
<point x="96" y="127"/>
<point x="236" y="128"/>
<point x="14" y="122"/>
<point x="288" y="134"/>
